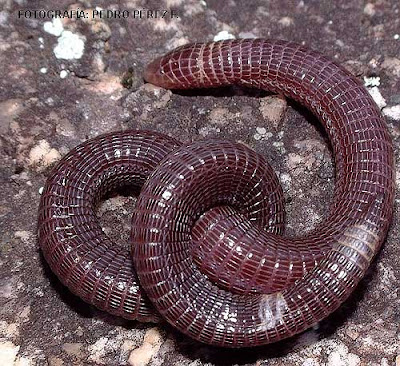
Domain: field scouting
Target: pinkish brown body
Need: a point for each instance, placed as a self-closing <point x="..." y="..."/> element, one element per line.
<point x="210" y="202"/>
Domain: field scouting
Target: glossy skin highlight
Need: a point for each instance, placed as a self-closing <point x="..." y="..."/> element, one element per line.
<point x="206" y="232"/>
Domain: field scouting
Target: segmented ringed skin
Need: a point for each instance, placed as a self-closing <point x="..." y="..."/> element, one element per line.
<point x="354" y="230"/>
<point x="71" y="238"/>
<point x="264" y="293"/>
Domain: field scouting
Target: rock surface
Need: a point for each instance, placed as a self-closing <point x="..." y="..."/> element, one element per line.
<point x="62" y="81"/>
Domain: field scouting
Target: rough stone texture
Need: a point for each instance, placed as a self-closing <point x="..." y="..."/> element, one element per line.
<point x="49" y="104"/>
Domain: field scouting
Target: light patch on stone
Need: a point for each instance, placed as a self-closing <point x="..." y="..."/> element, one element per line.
<point x="8" y="289"/>
<point x="377" y="96"/>
<point x="387" y="281"/>
<point x="341" y="356"/>
<point x="273" y="109"/>
<point x="310" y="362"/>
<point x="73" y="349"/>
<point x="63" y="74"/>
<point x="43" y="154"/>
<point x="23" y="235"/>
<point x="173" y="3"/>
<point x="25" y="313"/>
<point x="23" y="361"/>
<point x="108" y="85"/>
<point x="70" y="46"/>
<point x="9" y="330"/>
<point x="222" y="116"/>
<point x="55" y="27"/>
<point x="220" y="36"/>
<point x="8" y="353"/>
<point x="151" y="344"/>
<point x="392" y="112"/>
<point x="392" y="64"/>
<point x="3" y="18"/>
<point x="369" y="9"/>
<point x="193" y="8"/>
<point x="43" y="70"/>
<point x="205" y="131"/>
<point x="98" y="349"/>
<point x="161" y="25"/>
<point x="9" y="110"/>
<point x="286" y="21"/>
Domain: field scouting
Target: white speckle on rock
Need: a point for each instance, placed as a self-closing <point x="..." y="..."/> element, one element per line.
<point x="23" y="235"/>
<point x="3" y="18"/>
<point x="262" y="134"/>
<point x="279" y="146"/>
<point x="63" y="74"/>
<point x="340" y="356"/>
<point x="377" y="97"/>
<point x="369" y="9"/>
<point x="50" y="101"/>
<point x="55" y="27"/>
<point x="70" y="46"/>
<point x="286" y="180"/>
<point x="384" y="362"/>
<point x="43" y="154"/>
<point x="372" y="81"/>
<point x="41" y="189"/>
<point x="353" y="359"/>
<point x="339" y="42"/>
<point x="205" y="131"/>
<point x="396" y="36"/>
<point x="173" y="3"/>
<point x="151" y="344"/>
<point x="167" y="195"/>
<point x="43" y="70"/>
<point x="8" y="353"/>
<point x="286" y="21"/>
<point x="398" y="360"/>
<point x="392" y="112"/>
<point x="310" y="362"/>
<point x="223" y="35"/>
